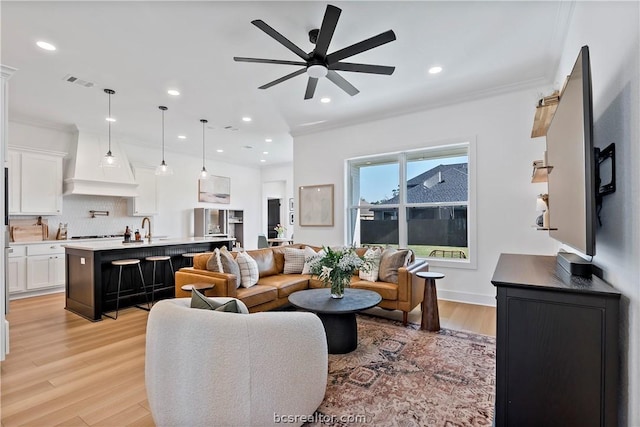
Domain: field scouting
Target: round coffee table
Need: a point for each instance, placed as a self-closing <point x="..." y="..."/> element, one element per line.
<point x="338" y="316"/>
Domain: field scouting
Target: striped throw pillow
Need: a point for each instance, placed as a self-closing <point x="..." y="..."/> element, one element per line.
<point x="293" y="260"/>
<point x="248" y="270"/>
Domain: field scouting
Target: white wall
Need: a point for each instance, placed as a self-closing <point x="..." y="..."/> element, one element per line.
<point x="610" y="29"/>
<point x="500" y="128"/>
<point x="177" y="194"/>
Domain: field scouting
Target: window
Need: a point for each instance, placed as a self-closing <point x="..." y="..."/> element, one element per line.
<point x="428" y="212"/>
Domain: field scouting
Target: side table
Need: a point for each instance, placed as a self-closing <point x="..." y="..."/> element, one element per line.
<point x="430" y="315"/>
<point x="201" y="287"/>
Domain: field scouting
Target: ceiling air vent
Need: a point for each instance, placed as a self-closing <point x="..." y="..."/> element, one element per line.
<point x="78" y="81"/>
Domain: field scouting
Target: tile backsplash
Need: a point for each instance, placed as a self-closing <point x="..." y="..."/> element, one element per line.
<point x="76" y="214"/>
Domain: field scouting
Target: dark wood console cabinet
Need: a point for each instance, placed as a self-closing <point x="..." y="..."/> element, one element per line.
<point x="556" y="345"/>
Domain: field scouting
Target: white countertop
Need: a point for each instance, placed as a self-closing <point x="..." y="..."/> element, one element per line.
<point x="110" y="244"/>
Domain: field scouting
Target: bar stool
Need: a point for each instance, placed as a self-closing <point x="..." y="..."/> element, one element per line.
<point x="188" y="257"/>
<point x="430" y="315"/>
<point x="121" y="263"/>
<point x="155" y="260"/>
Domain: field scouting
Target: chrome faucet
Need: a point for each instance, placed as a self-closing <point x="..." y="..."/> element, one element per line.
<point x="148" y="235"/>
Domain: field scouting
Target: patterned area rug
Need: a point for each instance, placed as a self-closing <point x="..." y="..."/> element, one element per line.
<point x="402" y="376"/>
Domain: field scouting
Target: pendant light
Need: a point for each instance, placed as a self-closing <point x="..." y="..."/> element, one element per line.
<point x="163" y="169"/>
<point x="109" y="160"/>
<point x="203" y="172"/>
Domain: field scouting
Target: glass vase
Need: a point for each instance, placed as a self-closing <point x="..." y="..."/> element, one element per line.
<point x="337" y="288"/>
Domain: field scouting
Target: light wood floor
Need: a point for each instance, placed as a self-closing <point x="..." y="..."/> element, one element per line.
<point x="66" y="371"/>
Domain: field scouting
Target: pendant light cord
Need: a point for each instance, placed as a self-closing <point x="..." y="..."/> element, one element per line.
<point x="163" y="109"/>
<point x="109" y="122"/>
<point x="203" y="123"/>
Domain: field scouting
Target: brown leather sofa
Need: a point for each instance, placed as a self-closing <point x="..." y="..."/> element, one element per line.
<point x="274" y="287"/>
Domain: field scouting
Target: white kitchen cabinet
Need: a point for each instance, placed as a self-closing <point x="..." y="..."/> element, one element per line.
<point x="17" y="270"/>
<point x="35" y="182"/>
<point x="146" y="202"/>
<point x="36" y="267"/>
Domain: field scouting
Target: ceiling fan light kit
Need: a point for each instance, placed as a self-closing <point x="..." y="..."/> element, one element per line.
<point x="318" y="64"/>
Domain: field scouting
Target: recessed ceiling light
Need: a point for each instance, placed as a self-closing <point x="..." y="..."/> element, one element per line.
<point x="325" y="100"/>
<point x="262" y="160"/>
<point x="220" y="150"/>
<point x="246" y="119"/>
<point x="173" y="92"/>
<point x="182" y="137"/>
<point x="110" y="119"/>
<point x="46" y="46"/>
<point x="435" y="70"/>
<point x="268" y="140"/>
<point x="265" y="152"/>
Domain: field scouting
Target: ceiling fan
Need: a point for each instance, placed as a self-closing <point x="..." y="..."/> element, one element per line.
<point x="318" y="63"/>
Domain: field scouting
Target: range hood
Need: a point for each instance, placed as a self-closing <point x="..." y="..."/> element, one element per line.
<point x="85" y="175"/>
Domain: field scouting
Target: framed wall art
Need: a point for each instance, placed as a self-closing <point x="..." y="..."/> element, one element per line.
<point x="315" y="205"/>
<point x="214" y="189"/>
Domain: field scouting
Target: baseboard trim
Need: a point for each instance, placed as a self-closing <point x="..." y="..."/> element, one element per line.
<point x="35" y="293"/>
<point x="466" y="297"/>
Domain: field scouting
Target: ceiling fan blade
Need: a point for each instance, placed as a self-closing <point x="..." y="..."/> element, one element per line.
<point x="268" y="61"/>
<point x="362" y="68"/>
<point x="281" y="79"/>
<point x="311" y="88"/>
<point x="354" y="49"/>
<point x="281" y="39"/>
<point x="329" y="23"/>
<point x="342" y="83"/>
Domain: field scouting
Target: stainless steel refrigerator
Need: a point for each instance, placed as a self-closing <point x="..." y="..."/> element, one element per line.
<point x="210" y="222"/>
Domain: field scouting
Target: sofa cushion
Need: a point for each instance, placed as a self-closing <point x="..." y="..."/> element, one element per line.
<point x="293" y="260"/>
<point x="266" y="261"/>
<point x="390" y="261"/>
<point x="198" y="300"/>
<point x="388" y="291"/>
<point x="248" y="270"/>
<point x="256" y="295"/>
<point x="372" y="258"/>
<point x="286" y="284"/>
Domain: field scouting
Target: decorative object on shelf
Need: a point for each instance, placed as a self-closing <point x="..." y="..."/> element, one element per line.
<point x="335" y="268"/>
<point x="109" y="160"/>
<point x="316" y="205"/>
<point x="545" y="111"/>
<point x="280" y="229"/>
<point x="163" y="169"/>
<point x="542" y="205"/>
<point x="291" y="218"/>
<point x="203" y="172"/>
<point x="214" y="189"/>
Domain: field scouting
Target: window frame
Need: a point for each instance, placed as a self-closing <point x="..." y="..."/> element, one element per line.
<point x="445" y="149"/>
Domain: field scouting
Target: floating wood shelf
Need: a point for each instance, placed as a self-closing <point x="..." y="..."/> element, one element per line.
<point x="540" y="172"/>
<point x="545" y="111"/>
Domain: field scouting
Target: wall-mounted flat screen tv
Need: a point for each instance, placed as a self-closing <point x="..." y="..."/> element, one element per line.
<point x="570" y="150"/>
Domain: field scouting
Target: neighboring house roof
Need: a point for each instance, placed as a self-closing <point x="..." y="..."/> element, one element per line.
<point x="444" y="183"/>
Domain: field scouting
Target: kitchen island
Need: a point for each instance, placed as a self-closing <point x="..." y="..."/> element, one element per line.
<point x="91" y="280"/>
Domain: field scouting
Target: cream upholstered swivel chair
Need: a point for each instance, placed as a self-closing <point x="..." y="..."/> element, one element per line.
<point x="209" y="368"/>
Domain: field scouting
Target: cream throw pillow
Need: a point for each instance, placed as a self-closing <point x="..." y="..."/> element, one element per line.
<point x="372" y="258"/>
<point x="293" y="260"/>
<point x="214" y="264"/>
<point x="308" y="253"/>
<point x="248" y="270"/>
